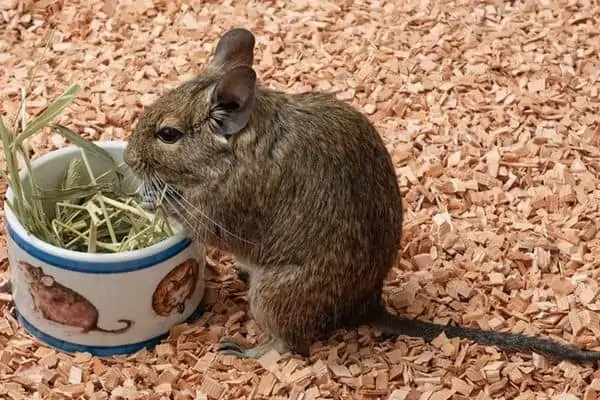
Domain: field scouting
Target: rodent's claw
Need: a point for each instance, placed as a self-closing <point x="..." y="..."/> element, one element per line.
<point x="229" y="346"/>
<point x="235" y="353"/>
<point x="229" y="343"/>
<point x="242" y="274"/>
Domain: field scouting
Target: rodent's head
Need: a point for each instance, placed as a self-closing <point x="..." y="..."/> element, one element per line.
<point x="184" y="138"/>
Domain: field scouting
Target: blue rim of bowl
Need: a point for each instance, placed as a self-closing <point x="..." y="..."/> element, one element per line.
<point x="99" y="351"/>
<point x="126" y="261"/>
<point x="90" y="267"/>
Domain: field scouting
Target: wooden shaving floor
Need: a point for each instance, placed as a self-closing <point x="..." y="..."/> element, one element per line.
<point x="490" y="110"/>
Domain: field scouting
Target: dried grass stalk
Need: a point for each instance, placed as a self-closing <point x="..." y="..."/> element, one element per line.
<point x="100" y="216"/>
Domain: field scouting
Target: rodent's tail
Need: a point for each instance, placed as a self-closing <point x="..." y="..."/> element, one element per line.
<point x="395" y="325"/>
<point x="127" y="323"/>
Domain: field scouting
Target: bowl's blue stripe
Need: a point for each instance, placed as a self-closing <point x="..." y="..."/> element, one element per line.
<point x="98" y="267"/>
<point x="98" y="351"/>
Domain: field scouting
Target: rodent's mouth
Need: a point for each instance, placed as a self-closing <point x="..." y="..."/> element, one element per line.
<point x="154" y="191"/>
<point x="147" y="196"/>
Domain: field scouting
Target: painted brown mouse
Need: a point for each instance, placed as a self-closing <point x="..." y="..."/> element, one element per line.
<point x="60" y="304"/>
<point x="300" y="188"/>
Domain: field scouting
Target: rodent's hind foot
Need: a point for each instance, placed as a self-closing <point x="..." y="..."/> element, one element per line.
<point x="230" y="346"/>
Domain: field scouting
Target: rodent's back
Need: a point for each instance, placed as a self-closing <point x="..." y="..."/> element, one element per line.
<point x="328" y="191"/>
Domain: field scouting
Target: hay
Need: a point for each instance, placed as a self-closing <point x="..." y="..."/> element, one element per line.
<point x="100" y="216"/>
<point x="490" y="110"/>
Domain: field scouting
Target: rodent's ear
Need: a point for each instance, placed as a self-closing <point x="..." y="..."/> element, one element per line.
<point x="236" y="47"/>
<point x="233" y="100"/>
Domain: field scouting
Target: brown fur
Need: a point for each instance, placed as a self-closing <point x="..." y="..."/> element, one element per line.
<point x="303" y="193"/>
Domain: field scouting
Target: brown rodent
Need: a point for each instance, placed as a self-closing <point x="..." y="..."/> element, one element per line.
<point x="300" y="188"/>
<point x="60" y="304"/>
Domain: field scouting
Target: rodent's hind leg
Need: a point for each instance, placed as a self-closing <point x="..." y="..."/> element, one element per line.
<point x="229" y="346"/>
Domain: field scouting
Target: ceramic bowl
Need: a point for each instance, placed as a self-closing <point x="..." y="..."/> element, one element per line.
<point x="104" y="304"/>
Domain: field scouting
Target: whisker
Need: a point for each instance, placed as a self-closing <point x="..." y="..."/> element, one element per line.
<point x="190" y="219"/>
<point x="188" y="205"/>
<point x="156" y="191"/>
<point x="179" y="206"/>
<point x="175" y="205"/>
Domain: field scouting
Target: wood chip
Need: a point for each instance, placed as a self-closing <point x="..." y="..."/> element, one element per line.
<point x="340" y="371"/>
<point x="75" y="375"/>
<point x="212" y="388"/>
<point x="267" y="382"/>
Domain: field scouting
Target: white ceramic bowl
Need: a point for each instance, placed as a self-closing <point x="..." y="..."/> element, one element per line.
<point x="104" y="304"/>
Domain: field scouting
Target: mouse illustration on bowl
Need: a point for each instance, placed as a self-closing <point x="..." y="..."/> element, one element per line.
<point x="176" y="288"/>
<point x="60" y="304"/>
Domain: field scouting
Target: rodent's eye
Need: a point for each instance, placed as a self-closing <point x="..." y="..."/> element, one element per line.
<point x="169" y="135"/>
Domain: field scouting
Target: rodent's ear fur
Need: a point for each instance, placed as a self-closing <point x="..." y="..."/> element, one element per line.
<point x="233" y="100"/>
<point x="236" y="47"/>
